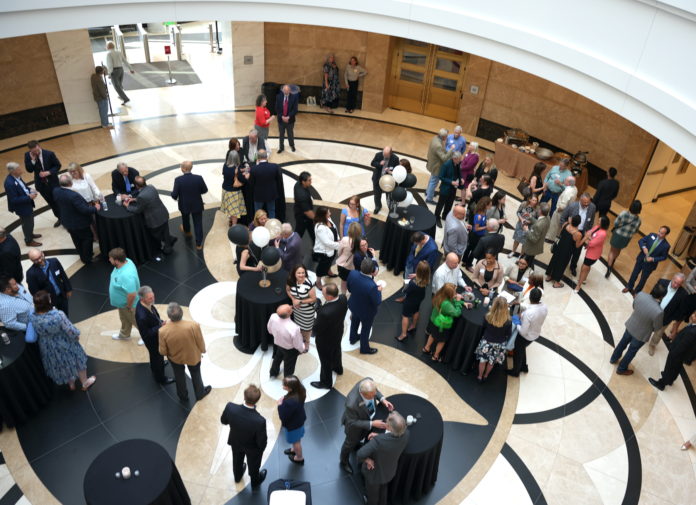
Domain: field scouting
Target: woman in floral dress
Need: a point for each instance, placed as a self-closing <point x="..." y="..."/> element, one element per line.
<point x="526" y="215"/>
<point x="331" y="84"/>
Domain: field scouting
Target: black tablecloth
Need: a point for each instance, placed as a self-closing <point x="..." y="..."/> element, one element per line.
<point x="159" y="482"/>
<point x="254" y="306"/>
<point x="117" y="227"/>
<point x="460" y="347"/>
<point x="396" y="241"/>
<point x="24" y="386"/>
<point x="419" y="463"/>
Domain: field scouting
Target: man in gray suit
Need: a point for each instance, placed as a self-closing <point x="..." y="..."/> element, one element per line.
<point x="149" y="204"/>
<point x="586" y="210"/>
<point x="534" y="242"/>
<point x="380" y="458"/>
<point x="359" y="417"/>
<point x="646" y="318"/>
<point x="456" y="231"/>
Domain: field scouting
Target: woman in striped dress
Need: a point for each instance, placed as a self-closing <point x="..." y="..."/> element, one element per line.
<point x="303" y="297"/>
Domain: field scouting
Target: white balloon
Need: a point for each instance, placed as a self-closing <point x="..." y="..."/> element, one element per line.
<point x="406" y="201"/>
<point x="260" y="236"/>
<point x="399" y="173"/>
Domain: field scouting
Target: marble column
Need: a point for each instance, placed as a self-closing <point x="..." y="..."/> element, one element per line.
<point x="248" y="61"/>
<point x="72" y="59"/>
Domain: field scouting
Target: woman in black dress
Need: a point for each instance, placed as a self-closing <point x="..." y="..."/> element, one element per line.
<point x="247" y="258"/>
<point x="413" y="296"/>
<point x="536" y="181"/>
<point x="569" y="239"/>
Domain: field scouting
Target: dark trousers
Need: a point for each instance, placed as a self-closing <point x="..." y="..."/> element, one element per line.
<point x="46" y="191"/>
<point x="197" y="225"/>
<point x="642" y="268"/>
<point x="376" y="493"/>
<point x="156" y="359"/>
<point x="330" y="360"/>
<point x="468" y="257"/>
<point x="82" y="238"/>
<point x="519" y="358"/>
<point x="633" y="345"/>
<point x="574" y="257"/>
<point x="282" y="129"/>
<point x="365" y="327"/>
<point x="180" y="377"/>
<point x="550" y="195"/>
<point x="287" y="356"/>
<point x="253" y="464"/>
<point x="27" y="228"/>
<point x="444" y="203"/>
<point x="162" y="237"/>
<point x="377" y="194"/>
<point x="60" y="302"/>
<point x="302" y="224"/>
<point x="352" y="94"/>
<point x="672" y="367"/>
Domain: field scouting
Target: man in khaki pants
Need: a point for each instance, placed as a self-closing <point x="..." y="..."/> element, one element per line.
<point x="123" y="291"/>
<point x="674" y="309"/>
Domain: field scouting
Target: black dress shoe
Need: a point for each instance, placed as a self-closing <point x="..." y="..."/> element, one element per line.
<point x="511" y="373"/>
<point x="292" y="148"/>
<point x="377" y="209"/>
<point x="243" y="470"/>
<point x="288" y="451"/>
<point x="280" y="150"/>
<point x="167" y="380"/>
<point x="339" y="371"/>
<point x="347" y="468"/>
<point x="573" y="272"/>
<point x="56" y="224"/>
<point x="206" y="391"/>
<point x="319" y="385"/>
<point x="438" y="222"/>
<point x="371" y="350"/>
<point x="291" y="457"/>
<point x="656" y="384"/>
<point x="262" y="477"/>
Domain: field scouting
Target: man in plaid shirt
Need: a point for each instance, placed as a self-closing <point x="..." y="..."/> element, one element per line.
<point x="15" y="304"/>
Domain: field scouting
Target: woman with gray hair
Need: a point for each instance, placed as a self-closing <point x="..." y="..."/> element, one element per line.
<point x="331" y="84"/>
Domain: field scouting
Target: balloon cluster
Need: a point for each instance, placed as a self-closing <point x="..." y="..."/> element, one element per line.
<point x="260" y="237"/>
<point x="396" y="183"/>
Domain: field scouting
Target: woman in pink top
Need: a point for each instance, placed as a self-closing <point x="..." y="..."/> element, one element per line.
<point x="594" y="241"/>
<point x="468" y="166"/>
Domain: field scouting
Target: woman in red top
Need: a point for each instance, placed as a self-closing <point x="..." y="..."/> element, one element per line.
<point x="594" y="240"/>
<point x="263" y="117"/>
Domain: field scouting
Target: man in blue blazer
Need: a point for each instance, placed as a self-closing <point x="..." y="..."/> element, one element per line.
<point x="364" y="301"/>
<point x="47" y="274"/>
<point x="20" y="200"/>
<point x="653" y="249"/>
<point x="45" y="166"/>
<point x="286" y="109"/>
<point x="76" y="216"/>
<point x="265" y="179"/>
<point x="423" y="248"/>
<point x="188" y="191"/>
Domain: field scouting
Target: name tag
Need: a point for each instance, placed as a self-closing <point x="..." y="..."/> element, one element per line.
<point x="57" y="272"/>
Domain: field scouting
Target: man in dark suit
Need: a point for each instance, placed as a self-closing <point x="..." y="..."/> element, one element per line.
<point x="76" y="215"/>
<point x="681" y="349"/>
<point x="10" y="257"/>
<point x="20" y="200"/>
<point x="265" y="179"/>
<point x="607" y="190"/>
<point x="44" y="165"/>
<point x="653" y="249"/>
<point x="188" y="190"/>
<point x="673" y="305"/>
<point x="247" y="436"/>
<point x="251" y="145"/>
<point x="47" y="274"/>
<point x="366" y="296"/>
<point x="380" y="458"/>
<point x="424" y="248"/>
<point x="123" y="180"/>
<point x="148" y="321"/>
<point x="328" y="328"/>
<point x="382" y="163"/>
<point x="286" y="109"/>
<point x="492" y="240"/>
<point x="586" y="210"/>
<point x="359" y="417"/>
<point x="149" y="204"/>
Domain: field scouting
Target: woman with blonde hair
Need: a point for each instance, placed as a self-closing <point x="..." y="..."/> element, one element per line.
<point x="497" y="329"/>
<point x="260" y="219"/>
<point x="354" y="213"/>
<point x="344" y="259"/>
<point x="413" y="296"/>
<point x="447" y="305"/>
<point x="83" y="184"/>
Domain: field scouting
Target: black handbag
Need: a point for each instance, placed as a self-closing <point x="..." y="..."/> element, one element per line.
<point x="524" y="188"/>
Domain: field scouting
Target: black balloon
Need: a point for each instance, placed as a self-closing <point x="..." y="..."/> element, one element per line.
<point x="270" y="256"/>
<point x="399" y="194"/>
<point x="409" y="181"/>
<point x="238" y="234"/>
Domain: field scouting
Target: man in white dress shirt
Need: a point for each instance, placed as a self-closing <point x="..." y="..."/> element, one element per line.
<point x="114" y="64"/>
<point x="532" y="320"/>
<point x="449" y="272"/>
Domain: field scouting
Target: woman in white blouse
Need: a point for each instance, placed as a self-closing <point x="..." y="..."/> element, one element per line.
<point x="83" y="184"/>
<point x="325" y="245"/>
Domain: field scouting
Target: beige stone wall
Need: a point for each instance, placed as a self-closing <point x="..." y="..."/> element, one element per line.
<point x="247" y="40"/>
<point x="470" y="106"/>
<point x="28" y="79"/>
<point x="296" y="53"/>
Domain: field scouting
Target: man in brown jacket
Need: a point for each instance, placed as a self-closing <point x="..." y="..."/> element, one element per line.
<point x="101" y="96"/>
<point x="182" y="342"/>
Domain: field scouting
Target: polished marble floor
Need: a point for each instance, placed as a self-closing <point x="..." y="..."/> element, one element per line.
<point x="570" y="431"/>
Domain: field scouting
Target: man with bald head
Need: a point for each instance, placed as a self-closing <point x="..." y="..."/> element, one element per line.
<point x="47" y="274"/>
<point x="383" y="163"/>
<point x="449" y="273"/>
<point x="188" y="190"/>
<point x="287" y="341"/>
<point x="76" y="215"/>
<point x="456" y="235"/>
